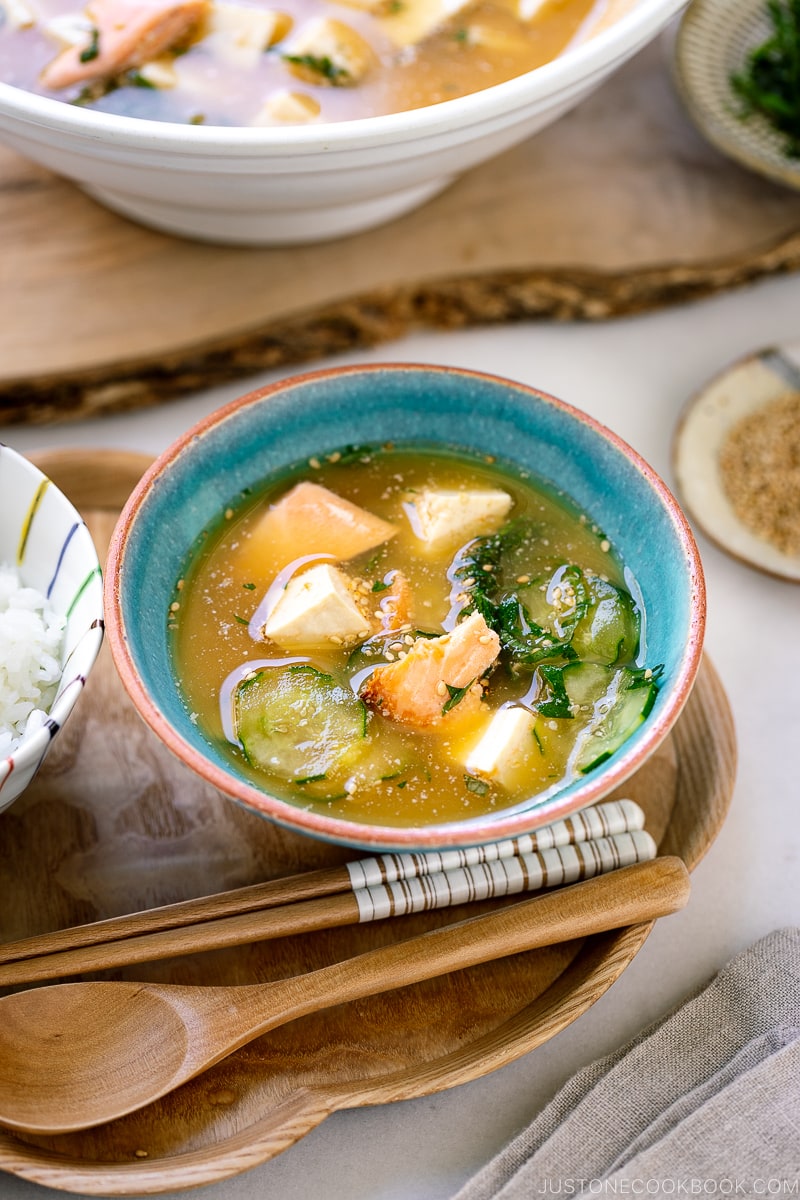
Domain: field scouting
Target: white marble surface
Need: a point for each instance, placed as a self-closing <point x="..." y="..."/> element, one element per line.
<point x="635" y="375"/>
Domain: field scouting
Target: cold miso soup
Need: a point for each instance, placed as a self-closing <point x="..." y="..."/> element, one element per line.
<point x="402" y="636"/>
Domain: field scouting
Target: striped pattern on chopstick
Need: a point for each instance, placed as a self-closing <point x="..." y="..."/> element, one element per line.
<point x="504" y="876"/>
<point x="338" y="896"/>
<point x="602" y="821"/>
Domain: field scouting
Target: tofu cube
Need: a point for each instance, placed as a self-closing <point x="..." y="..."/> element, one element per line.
<point x="411" y="21"/>
<point x="316" y="608"/>
<point x="505" y="747"/>
<point x="441" y="516"/>
<point x="240" y="34"/>
<point x="327" y="51"/>
<point x="292" y="108"/>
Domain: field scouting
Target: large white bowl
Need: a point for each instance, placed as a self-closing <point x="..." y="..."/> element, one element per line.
<point x="303" y="184"/>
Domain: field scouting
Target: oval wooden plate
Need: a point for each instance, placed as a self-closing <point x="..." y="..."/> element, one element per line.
<point x="114" y="824"/>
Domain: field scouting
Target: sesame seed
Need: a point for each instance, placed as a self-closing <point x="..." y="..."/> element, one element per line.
<point x="179" y="585"/>
<point x="485" y="639"/>
<point x="334" y="637"/>
<point x="395" y="646"/>
<point x="523" y="579"/>
<point x="332" y="458"/>
<point x="389" y="656"/>
<point x="228" y="514"/>
<point x="488" y="567"/>
<point x="441" y="688"/>
<point x="314" y="463"/>
<point x="174" y="606"/>
<point x="408" y="639"/>
<point x="605" y="545"/>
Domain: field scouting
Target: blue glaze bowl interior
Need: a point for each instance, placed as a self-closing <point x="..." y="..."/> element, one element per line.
<point x="270" y="432"/>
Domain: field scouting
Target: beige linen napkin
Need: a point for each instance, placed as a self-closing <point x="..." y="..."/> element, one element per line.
<point x="705" y="1101"/>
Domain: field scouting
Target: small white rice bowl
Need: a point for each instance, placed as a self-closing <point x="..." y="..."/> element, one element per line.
<point x="31" y="641"/>
<point x="51" y="617"/>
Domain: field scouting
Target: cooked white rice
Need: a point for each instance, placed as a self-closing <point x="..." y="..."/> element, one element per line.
<point x="31" y="636"/>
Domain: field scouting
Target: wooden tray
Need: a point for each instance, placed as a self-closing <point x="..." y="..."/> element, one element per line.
<point x="114" y="823"/>
<point x="618" y="207"/>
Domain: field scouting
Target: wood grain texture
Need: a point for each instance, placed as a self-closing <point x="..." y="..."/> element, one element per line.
<point x="150" y="1038"/>
<point x="617" y="208"/>
<point x="122" y="825"/>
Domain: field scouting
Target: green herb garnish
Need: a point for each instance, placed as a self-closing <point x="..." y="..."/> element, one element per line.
<point x="320" y="65"/>
<point x="93" y="49"/>
<point x="479" y="786"/>
<point x="241" y="620"/>
<point x="769" y="83"/>
<point x="380" y="586"/>
<point x="251" y="587"/>
<point x="456" y="695"/>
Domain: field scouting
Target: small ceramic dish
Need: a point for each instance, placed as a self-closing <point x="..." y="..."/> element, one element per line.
<point x="751" y="385"/>
<point x="295" y="421"/>
<point x="712" y="43"/>
<point x="44" y="538"/>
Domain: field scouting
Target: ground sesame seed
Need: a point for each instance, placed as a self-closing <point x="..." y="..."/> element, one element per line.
<point x="759" y="465"/>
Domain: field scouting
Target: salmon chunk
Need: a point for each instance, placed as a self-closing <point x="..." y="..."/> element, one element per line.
<point x="423" y="687"/>
<point x="126" y="34"/>
<point x="310" y="519"/>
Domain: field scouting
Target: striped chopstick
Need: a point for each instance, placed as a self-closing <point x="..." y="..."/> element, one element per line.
<point x="494" y="877"/>
<point x="602" y="820"/>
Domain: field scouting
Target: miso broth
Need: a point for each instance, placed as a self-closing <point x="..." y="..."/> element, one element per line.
<point x="332" y="678"/>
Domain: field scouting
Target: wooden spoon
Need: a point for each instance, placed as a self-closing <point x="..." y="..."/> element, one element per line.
<point x="79" y="1054"/>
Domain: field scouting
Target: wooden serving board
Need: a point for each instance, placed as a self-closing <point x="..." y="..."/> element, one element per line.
<point x="618" y="207"/>
<point x="114" y="823"/>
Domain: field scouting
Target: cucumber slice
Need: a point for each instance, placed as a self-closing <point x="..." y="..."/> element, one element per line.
<point x="298" y="723"/>
<point x="609" y="630"/>
<point x="620" y="699"/>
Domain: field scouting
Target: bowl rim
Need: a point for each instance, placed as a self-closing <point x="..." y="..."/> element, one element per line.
<point x="383" y="837"/>
<point x="576" y="64"/>
<point x="33" y="746"/>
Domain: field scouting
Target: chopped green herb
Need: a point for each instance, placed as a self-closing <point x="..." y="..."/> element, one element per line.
<point x="479" y="786"/>
<point x="556" y="701"/>
<point x="456" y="695"/>
<point x="241" y="620"/>
<point x="538" y="740"/>
<point x="93" y="49"/>
<point x="380" y="586"/>
<point x="769" y="83"/>
<point x="199" y="119"/>
<point x="136" y="79"/>
<point x="312" y="778"/>
<point x="461" y="35"/>
<point x="402" y="783"/>
<point x="251" y="587"/>
<point x="320" y="65"/>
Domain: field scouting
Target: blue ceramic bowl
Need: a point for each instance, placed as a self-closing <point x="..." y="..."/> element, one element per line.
<point x="270" y="430"/>
<point x="45" y="540"/>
